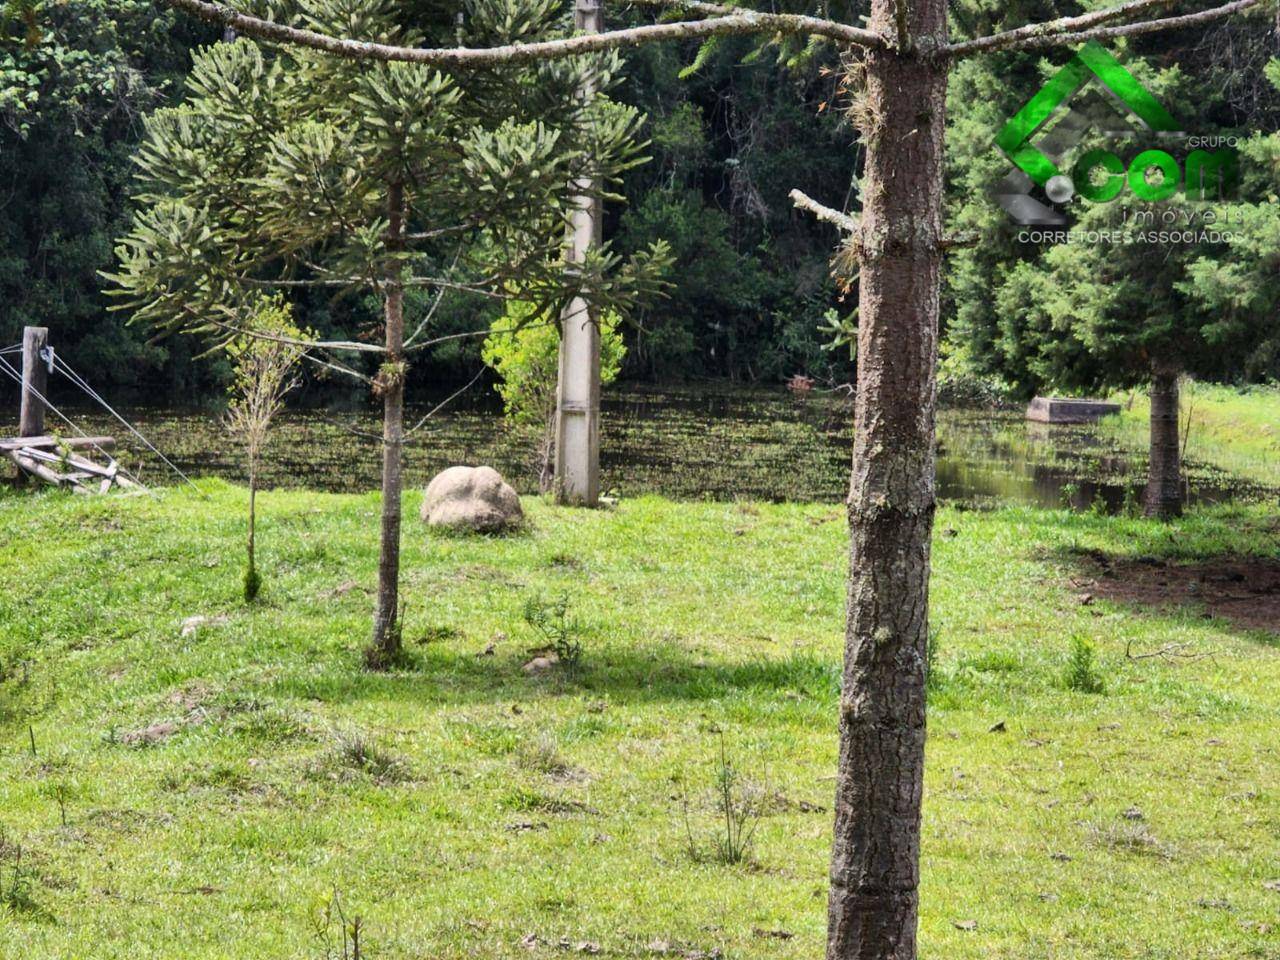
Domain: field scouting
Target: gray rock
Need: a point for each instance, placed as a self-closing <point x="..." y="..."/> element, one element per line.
<point x="471" y="498"/>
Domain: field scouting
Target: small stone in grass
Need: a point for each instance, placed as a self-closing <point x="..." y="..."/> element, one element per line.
<point x="192" y="624"/>
<point x="540" y="664"/>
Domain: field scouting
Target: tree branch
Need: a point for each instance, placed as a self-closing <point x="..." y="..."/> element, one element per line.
<point x="339" y="367"/>
<point x="448" y="337"/>
<point x="445" y="402"/>
<point x="952" y="241"/>
<point x="353" y="346"/>
<point x="803" y="201"/>
<point x="1052" y="27"/>
<point x="782" y="22"/>
<point x="737" y="23"/>
<point x="479" y="287"/>
<point x="1067" y="31"/>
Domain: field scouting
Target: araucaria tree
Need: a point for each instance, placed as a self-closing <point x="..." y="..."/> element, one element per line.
<point x="1188" y="294"/>
<point x="289" y="168"/>
<point x="897" y="67"/>
<point x="264" y="368"/>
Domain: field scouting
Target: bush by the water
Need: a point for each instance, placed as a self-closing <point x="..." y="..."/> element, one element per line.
<point x="523" y="349"/>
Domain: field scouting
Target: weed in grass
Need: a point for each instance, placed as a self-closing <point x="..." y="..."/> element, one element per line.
<point x="739" y="805"/>
<point x="1132" y="838"/>
<point x="559" y="631"/>
<point x="339" y="936"/>
<point x="220" y="776"/>
<point x="61" y="792"/>
<point x="440" y="633"/>
<point x="1132" y="505"/>
<point x="353" y="753"/>
<point x="1069" y="493"/>
<point x="15" y="689"/>
<point x="1082" y="674"/>
<point x="524" y="800"/>
<point x="542" y="756"/>
<point x="485" y="738"/>
<point x="18" y="882"/>
<point x="994" y="661"/>
<point x="265" y="722"/>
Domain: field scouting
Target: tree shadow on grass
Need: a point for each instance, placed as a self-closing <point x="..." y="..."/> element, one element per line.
<point x="649" y="674"/>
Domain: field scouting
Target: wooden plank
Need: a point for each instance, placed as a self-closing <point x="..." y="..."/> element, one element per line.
<point x="51" y="443"/>
<point x="35" y="382"/>
<point x="36" y="469"/>
<point x="71" y="460"/>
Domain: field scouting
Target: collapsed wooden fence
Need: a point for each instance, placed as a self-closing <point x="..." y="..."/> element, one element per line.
<point x="40" y="455"/>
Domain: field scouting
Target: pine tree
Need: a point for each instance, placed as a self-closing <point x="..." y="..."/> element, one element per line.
<point x="1101" y="316"/>
<point x="288" y="168"/>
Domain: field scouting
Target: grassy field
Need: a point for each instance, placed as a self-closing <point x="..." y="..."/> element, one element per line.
<point x="1236" y="430"/>
<point x="202" y="793"/>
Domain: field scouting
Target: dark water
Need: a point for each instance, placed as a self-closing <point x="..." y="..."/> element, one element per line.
<point x="690" y="443"/>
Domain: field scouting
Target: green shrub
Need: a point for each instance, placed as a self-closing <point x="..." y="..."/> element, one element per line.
<point x="523" y="348"/>
<point x="561" y="632"/>
<point x="1082" y="674"/>
<point x="739" y="805"/>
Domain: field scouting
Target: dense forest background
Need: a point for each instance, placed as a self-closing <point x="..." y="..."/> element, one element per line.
<point x="733" y="128"/>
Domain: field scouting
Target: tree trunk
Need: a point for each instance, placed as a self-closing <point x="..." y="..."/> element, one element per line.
<point x="875" y="864"/>
<point x="251" y="579"/>
<point x="1164" y="475"/>
<point x="385" y="645"/>
<point x="253" y="519"/>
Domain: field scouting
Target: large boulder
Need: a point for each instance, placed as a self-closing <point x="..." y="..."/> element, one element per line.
<point x="471" y="498"/>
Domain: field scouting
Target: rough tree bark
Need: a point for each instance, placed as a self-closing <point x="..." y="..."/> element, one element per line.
<point x="385" y="645"/>
<point x="875" y="871"/>
<point x="1164" y="474"/>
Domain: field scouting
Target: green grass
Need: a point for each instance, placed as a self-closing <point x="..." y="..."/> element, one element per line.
<point x="1236" y="430"/>
<point x="460" y="806"/>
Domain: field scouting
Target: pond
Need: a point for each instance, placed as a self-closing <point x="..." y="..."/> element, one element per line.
<point x="691" y="443"/>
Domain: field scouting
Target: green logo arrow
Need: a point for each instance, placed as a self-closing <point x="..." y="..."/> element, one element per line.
<point x="1092" y="61"/>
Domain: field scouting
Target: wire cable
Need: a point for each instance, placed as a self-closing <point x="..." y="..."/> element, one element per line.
<point x="65" y="369"/>
<point x="16" y="376"/>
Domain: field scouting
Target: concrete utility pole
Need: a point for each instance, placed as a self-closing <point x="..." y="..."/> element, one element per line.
<point x="577" y="476"/>
<point x="35" y="381"/>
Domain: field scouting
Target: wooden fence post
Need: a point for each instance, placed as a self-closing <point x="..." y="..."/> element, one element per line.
<point x="35" y="382"/>
<point x="577" y="454"/>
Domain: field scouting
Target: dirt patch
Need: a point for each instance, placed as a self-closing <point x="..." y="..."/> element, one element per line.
<point x="1242" y="590"/>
